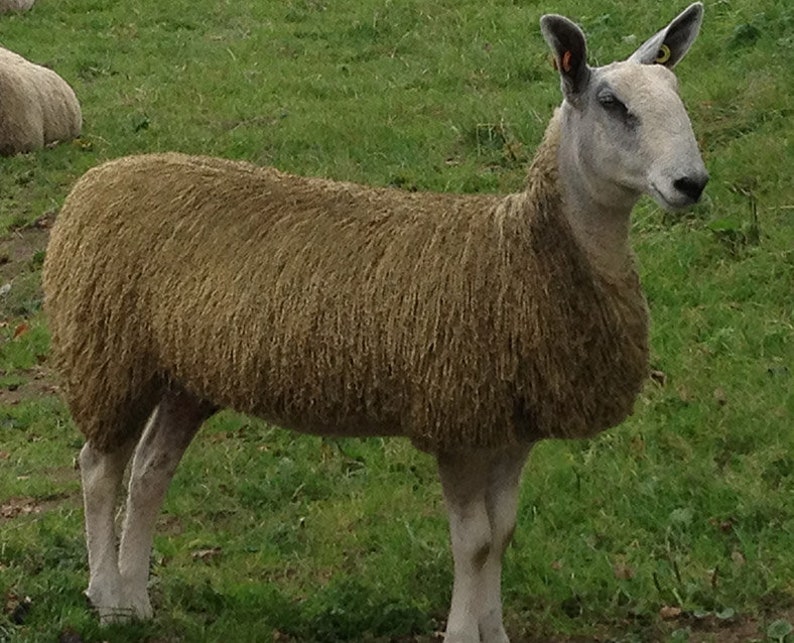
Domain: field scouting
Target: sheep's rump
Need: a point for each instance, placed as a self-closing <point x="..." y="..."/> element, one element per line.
<point x="458" y="321"/>
<point x="37" y="106"/>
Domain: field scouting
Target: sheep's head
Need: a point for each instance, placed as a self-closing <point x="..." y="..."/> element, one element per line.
<point x="625" y="121"/>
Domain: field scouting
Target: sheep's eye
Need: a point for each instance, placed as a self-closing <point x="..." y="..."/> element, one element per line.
<point x="613" y="105"/>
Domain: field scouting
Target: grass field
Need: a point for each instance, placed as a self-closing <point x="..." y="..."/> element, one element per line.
<point x="676" y="526"/>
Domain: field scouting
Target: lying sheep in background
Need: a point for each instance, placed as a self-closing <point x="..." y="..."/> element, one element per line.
<point x="6" y="6"/>
<point x="474" y="325"/>
<point x="37" y="108"/>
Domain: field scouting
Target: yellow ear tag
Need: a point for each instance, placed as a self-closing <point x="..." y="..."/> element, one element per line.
<point x="663" y="55"/>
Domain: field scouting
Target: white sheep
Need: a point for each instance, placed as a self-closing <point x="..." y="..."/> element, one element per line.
<point x="7" y="6"/>
<point x="38" y="107"/>
<point x="474" y="325"/>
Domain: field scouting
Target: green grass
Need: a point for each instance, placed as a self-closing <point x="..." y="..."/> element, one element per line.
<point x="269" y="536"/>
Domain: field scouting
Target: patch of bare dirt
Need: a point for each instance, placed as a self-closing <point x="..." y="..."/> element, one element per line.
<point x="21" y="255"/>
<point x="14" y="507"/>
<point x="34" y="382"/>
<point x="694" y="629"/>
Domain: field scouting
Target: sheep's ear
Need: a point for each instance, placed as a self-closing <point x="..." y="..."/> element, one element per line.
<point x="670" y="45"/>
<point x="568" y="45"/>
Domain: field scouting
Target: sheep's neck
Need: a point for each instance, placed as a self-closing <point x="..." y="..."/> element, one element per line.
<point x="598" y="215"/>
<point x="602" y="229"/>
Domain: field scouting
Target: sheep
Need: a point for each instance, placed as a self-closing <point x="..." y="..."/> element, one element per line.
<point x="473" y="325"/>
<point x="38" y="107"/>
<point x="7" y="6"/>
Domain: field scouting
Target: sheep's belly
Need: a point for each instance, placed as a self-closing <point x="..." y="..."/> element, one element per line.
<point x="346" y="427"/>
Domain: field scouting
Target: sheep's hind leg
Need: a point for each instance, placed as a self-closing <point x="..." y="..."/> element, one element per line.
<point x="165" y="439"/>
<point x="101" y="475"/>
<point x="481" y="493"/>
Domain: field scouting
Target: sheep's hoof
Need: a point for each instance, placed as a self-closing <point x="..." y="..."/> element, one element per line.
<point x="491" y="628"/>
<point x="494" y="636"/>
<point x="461" y="637"/>
<point x="116" y="610"/>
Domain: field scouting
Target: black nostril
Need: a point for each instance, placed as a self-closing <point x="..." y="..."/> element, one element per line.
<point x="691" y="186"/>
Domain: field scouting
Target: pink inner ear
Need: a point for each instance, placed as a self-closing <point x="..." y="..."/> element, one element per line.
<point x="566" y="61"/>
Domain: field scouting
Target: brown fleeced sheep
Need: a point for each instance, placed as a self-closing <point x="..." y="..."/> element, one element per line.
<point x="474" y="325"/>
<point x="37" y="106"/>
<point x="7" y="6"/>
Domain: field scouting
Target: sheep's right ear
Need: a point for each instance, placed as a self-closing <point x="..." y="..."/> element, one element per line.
<point x="568" y="45"/>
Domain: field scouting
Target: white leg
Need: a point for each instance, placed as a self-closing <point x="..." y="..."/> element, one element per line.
<point x="167" y="436"/>
<point x="502" y="503"/>
<point x="481" y="492"/>
<point x="101" y="475"/>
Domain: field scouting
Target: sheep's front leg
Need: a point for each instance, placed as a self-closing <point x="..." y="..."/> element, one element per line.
<point x="464" y="480"/>
<point x="502" y="504"/>
<point x="481" y="493"/>
<point x="101" y="475"/>
<point x="167" y="436"/>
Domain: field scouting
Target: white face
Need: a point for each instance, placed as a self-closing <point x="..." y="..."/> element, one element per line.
<point x="632" y="131"/>
<point x="627" y="129"/>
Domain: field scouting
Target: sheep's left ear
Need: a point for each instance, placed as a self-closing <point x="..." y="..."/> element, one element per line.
<point x="670" y="45"/>
<point x="568" y="45"/>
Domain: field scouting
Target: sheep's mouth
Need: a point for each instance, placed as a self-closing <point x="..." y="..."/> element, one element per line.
<point x="671" y="204"/>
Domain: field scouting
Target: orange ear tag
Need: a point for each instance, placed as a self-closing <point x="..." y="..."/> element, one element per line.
<point x="566" y="61"/>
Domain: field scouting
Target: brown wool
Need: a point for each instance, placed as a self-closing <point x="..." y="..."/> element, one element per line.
<point x="333" y="308"/>
<point x="37" y="107"/>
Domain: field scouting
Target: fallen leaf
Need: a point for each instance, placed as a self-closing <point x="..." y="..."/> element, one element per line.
<point x="21" y="329"/>
<point x="738" y="558"/>
<point x="207" y="555"/>
<point x="668" y="612"/>
<point x="720" y="397"/>
<point x="622" y="571"/>
<point x="660" y="377"/>
<point x="4" y="455"/>
<point x="19" y="507"/>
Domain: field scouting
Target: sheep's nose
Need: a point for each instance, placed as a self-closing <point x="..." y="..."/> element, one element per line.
<point x="692" y="186"/>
